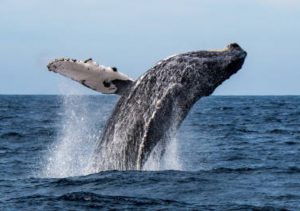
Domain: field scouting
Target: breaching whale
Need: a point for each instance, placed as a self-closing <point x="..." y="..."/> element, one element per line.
<point x="153" y="106"/>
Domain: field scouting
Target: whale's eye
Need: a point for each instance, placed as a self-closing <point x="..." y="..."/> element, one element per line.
<point x="106" y="84"/>
<point x="114" y="69"/>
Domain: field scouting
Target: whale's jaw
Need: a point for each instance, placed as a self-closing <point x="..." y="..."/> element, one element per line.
<point x="156" y="104"/>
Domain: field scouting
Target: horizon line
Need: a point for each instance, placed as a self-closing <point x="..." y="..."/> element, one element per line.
<point x="216" y="95"/>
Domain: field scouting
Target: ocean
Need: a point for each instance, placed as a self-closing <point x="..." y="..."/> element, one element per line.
<point x="231" y="153"/>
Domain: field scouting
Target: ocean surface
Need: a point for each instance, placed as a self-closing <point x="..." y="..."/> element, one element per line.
<point x="231" y="153"/>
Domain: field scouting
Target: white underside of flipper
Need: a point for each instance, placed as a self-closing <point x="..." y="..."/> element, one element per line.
<point x="89" y="74"/>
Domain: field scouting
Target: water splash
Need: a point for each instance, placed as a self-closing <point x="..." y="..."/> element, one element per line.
<point x="165" y="154"/>
<point x="170" y="159"/>
<point x="72" y="153"/>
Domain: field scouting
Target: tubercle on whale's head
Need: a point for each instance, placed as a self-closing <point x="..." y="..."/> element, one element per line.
<point x="237" y="57"/>
<point x="237" y="52"/>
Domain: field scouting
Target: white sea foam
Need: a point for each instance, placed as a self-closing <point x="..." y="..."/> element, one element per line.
<point x="72" y="154"/>
<point x="169" y="161"/>
<point x="165" y="155"/>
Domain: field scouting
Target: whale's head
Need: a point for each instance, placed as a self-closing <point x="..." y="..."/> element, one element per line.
<point x="190" y="76"/>
<point x="201" y="72"/>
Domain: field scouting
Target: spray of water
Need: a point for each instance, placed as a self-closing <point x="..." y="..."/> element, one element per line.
<point x="72" y="154"/>
<point x="165" y="154"/>
<point x="169" y="161"/>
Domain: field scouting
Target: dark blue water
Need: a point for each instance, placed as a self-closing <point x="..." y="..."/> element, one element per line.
<point x="231" y="153"/>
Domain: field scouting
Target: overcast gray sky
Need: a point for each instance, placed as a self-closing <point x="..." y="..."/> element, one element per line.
<point x="133" y="35"/>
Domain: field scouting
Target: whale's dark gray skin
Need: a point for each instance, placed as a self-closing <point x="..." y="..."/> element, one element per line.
<point x="159" y="101"/>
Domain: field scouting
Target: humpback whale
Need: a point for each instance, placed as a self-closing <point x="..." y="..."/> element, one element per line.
<point x="151" y="108"/>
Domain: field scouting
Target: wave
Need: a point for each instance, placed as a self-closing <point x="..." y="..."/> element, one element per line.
<point x="288" y="170"/>
<point x="93" y="200"/>
<point x="7" y="117"/>
<point x="90" y="200"/>
<point x="87" y="196"/>
<point x="9" y="135"/>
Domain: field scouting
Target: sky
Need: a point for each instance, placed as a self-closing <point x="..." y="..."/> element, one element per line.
<point x="134" y="34"/>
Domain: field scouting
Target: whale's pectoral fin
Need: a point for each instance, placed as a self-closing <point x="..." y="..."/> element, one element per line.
<point x="102" y="79"/>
